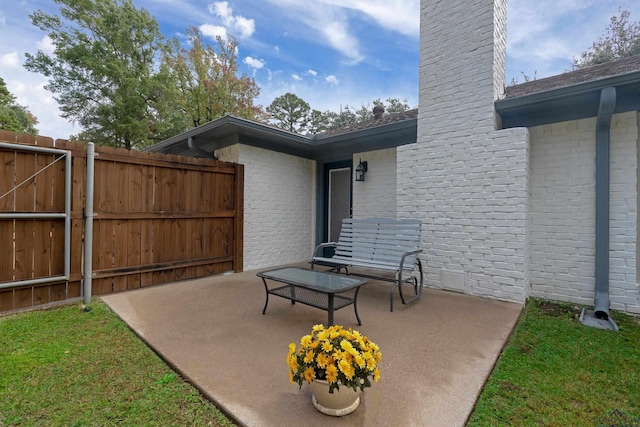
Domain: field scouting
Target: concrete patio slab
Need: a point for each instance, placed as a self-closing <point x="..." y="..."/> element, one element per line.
<point x="436" y="352"/>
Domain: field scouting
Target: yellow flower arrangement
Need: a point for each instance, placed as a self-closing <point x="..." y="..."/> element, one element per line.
<point x="336" y="355"/>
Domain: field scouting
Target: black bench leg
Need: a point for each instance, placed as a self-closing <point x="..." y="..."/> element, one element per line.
<point x="355" y="305"/>
<point x="330" y="309"/>
<point x="393" y="287"/>
<point x="267" y="301"/>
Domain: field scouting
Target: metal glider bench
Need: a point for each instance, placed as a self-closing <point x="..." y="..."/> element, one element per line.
<point x="385" y="244"/>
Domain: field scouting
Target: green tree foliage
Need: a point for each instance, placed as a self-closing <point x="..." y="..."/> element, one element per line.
<point x="347" y="116"/>
<point x="294" y="114"/>
<point x="317" y="122"/>
<point x="104" y="71"/>
<point x="620" y="40"/>
<point x="526" y="77"/>
<point x="395" y="105"/>
<point x="207" y="80"/>
<point x="290" y="113"/>
<point x="15" y="117"/>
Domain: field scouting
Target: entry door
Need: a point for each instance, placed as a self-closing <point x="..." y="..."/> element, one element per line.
<point x="339" y="200"/>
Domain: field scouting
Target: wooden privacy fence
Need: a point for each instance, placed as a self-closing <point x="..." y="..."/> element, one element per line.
<point x="156" y="219"/>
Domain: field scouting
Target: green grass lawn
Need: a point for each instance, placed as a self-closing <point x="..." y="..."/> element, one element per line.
<point x="558" y="372"/>
<point x="67" y="367"/>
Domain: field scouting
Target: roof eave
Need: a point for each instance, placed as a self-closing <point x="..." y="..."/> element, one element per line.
<point x="343" y="146"/>
<point x="561" y="104"/>
<point x="269" y="136"/>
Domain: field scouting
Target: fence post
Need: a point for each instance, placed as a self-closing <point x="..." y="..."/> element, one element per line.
<point x="88" y="225"/>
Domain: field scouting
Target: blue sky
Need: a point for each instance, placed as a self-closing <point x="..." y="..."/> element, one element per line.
<point x="331" y="53"/>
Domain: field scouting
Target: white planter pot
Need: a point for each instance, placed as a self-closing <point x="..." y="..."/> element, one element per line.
<point x="340" y="402"/>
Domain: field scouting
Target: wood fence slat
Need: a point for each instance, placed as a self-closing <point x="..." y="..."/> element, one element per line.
<point x="25" y="138"/>
<point x="24" y="246"/>
<point x="23" y="297"/>
<point x="7" y="136"/>
<point x="6" y="251"/>
<point x="134" y="253"/>
<point x="58" y="292"/>
<point x="120" y="246"/>
<point x="41" y="294"/>
<point x="146" y="249"/>
<point x="57" y="248"/>
<point x="180" y="191"/>
<point x="42" y="248"/>
<point x="7" y="179"/>
<point x="43" y="183"/>
<point x="74" y="289"/>
<point x="25" y="168"/>
<point x="147" y="187"/>
<point x="179" y="236"/>
<point x="58" y="185"/>
<point x="103" y="254"/>
<point x="134" y="190"/>
<point x="6" y="300"/>
<point x="105" y="246"/>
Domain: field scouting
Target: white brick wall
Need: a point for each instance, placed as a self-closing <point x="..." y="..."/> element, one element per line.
<point x="467" y="182"/>
<point x="376" y="196"/>
<point x="623" y="279"/>
<point x="563" y="211"/>
<point x="472" y="196"/>
<point x="279" y="206"/>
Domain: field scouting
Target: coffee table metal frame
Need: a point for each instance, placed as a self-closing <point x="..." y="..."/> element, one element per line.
<point x="314" y="288"/>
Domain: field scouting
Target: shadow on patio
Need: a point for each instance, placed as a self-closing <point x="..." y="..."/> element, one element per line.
<point x="436" y="352"/>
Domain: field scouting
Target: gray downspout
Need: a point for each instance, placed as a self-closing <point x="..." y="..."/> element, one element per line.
<point x="193" y="147"/>
<point x="603" y="128"/>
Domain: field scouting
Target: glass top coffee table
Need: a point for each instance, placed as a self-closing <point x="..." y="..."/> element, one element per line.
<point x="314" y="288"/>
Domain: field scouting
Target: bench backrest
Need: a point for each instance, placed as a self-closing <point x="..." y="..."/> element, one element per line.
<point x="380" y="240"/>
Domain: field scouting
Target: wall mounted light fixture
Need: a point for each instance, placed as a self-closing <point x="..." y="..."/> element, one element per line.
<point x="360" y="170"/>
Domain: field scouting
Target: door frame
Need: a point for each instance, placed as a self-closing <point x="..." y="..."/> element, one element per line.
<point x="323" y="208"/>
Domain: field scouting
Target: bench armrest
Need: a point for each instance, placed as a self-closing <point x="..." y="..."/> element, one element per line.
<point x="322" y="246"/>
<point x="406" y="254"/>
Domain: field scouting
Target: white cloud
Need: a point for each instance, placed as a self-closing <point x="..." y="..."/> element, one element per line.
<point x="400" y="16"/>
<point x="244" y="26"/>
<point x="312" y="72"/>
<point x="46" y="45"/>
<point x="296" y="77"/>
<point x="254" y="63"/>
<point x="339" y="37"/>
<point x="10" y="60"/>
<point x="329" y="22"/>
<point x="213" y="31"/>
<point x="222" y="9"/>
<point x="332" y="80"/>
